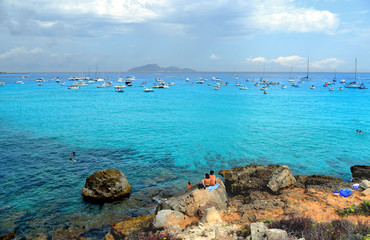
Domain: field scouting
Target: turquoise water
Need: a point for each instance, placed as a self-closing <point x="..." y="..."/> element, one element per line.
<point x="163" y="139"/>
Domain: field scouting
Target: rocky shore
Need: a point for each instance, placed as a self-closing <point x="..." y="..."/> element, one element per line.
<point x="250" y="196"/>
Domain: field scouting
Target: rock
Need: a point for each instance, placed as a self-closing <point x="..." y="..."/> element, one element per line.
<point x="276" y="234"/>
<point x="258" y="230"/>
<point x="365" y="184"/>
<point x="7" y="236"/>
<point x="130" y="227"/>
<point x="360" y="172"/>
<point x="320" y="181"/>
<point x="242" y="180"/>
<point x="162" y="219"/>
<point x="280" y="178"/>
<point x="106" y="185"/>
<point x="366" y="192"/>
<point x="195" y="202"/>
<point x="42" y="237"/>
<point x="211" y="216"/>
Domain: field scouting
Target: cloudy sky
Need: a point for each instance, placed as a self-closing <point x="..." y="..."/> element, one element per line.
<point x="205" y="35"/>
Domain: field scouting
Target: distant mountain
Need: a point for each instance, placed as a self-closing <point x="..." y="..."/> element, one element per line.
<point x="154" y="68"/>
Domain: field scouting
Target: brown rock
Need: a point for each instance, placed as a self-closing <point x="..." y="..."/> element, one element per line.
<point x="106" y="185"/>
<point x="360" y="172"/>
<point x="130" y="227"/>
<point x="366" y="192"/>
<point x="281" y="178"/>
<point x="7" y="236"/>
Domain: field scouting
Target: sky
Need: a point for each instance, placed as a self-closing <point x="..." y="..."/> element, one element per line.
<point x="204" y="35"/>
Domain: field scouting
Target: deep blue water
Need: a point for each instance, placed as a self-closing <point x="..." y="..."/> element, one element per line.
<point x="163" y="139"/>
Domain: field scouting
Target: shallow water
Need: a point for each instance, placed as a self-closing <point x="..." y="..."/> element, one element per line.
<point x="161" y="140"/>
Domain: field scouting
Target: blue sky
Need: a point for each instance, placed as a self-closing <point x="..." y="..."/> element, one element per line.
<point x="205" y="35"/>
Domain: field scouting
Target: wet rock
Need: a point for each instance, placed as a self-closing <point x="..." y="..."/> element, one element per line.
<point x="281" y="178"/>
<point x="130" y="228"/>
<point x="106" y="185"/>
<point x="7" y="236"/>
<point x="360" y="172"/>
<point x="194" y="202"/>
<point x="242" y="180"/>
<point x="365" y="184"/>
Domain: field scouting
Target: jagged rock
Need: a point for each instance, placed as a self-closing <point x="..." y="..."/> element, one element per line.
<point x="366" y="192"/>
<point x="106" y="185"/>
<point x="163" y="218"/>
<point x="194" y="202"/>
<point x="320" y="181"/>
<point x="242" y="180"/>
<point x="211" y="216"/>
<point x="360" y="172"/>
<point x="130" y="227"/>
<point x="276" y="234"/>
<point x="365" y="184"/>
<point x="258" y="231"/>
<point x="281" y="178"/>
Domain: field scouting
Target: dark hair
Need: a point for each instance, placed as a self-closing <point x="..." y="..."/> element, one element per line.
<point x="207" y="176"/>
<point x="189" y="183"/>
<point x="211" y="172"/>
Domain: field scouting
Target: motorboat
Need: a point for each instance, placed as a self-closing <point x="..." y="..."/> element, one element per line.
<point x="340" y="89"/>
<point x="352" y="85"/>
<point x="148" y="90"/>
<point x="74" y="87"/>
<point x="19" y="82"/>
<point x="342" y="81"/>
<point x="119" y="86"/>
<point x="119" y="89"/>
<point x="312" y="87"/>
<point x="2" y="83"/>
<point x="362" y="86"/>
<point x="264" y="92"/>
<point x="331" y="89"/>
<point x="283" y="86"/>
<point x="40" y="84"/>
<point x="243" y="88"/>
<point x="187" y="79"/>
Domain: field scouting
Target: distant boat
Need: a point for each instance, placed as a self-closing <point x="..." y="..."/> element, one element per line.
<point x="331" y="89"/>
<point x="307" y="78"/>
<point x="2" y="83"/>
<point x="354" y="84"/>
<point x="148" y="90"/>
<point x="342" y="81"/>
<point x="120" y="79"/>
<point x="264" y="92"/>
<point x="187" y="79"/>
<point x="74" y="87"/>
<point x="243" y="88"/>
<point x="119" y="86"/>
<point x="312" y="87"/>
<point x="335" y="76"/>
<point x="119" y="90"/>
<point x="340" y="89"/>
<point x="19" y="82"/>
<point x="291" y="79"/>
<point x="283" y="86"/>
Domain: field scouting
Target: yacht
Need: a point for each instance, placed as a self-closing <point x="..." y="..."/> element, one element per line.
<point x="148" y="90"/>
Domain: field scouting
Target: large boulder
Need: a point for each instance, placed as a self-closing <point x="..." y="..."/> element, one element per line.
<point x="360" y="172"/>
<point x="195" y="201"/>
<point x="106" y="185"/>
<point x="244" y="180"/>
<point x="281" y="178"/>
<point x="365" y="184"/>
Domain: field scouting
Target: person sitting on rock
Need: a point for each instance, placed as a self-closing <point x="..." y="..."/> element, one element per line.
<point x="188" y="186"/>
<point x="212" y="178"/>
<point x="206" y="181"/>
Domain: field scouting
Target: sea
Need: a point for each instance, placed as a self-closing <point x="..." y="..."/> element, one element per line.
<point x="162" y="139"/>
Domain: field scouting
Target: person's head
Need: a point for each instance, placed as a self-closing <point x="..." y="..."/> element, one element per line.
<point x="207" y="175"/>
<point x="189" y="183"/>
<point x="211" y="172"/>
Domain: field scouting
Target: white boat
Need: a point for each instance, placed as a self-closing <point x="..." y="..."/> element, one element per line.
<point x="354" y="84"/>
<point x="19" y="82"/>
<point x="119" y="89"/>
<point x="340" y="89"/>
<point x="74" y="87"/>
<point x="40" y="80"/>
<point x="216" y="87"/>
<point x="307" y="78"/>
<point x="81" y="84"/>
<point x="25" y="76"/>
<point x="264" y="92"/>
<point x="99" y="79"/>
<point x="200" y="81"/>
<point x="107" y="84"/>
<point x="283" y="86"/>
<point x="312" y="87"/>
<point x="243" y="88"/>
<point x="120" y="79"/>
<point x="131" y="78"/>
<point x="342" y="81"/>
<point x="119" y="86"/>
<point x="148" y="90"/>
<point x="187" y="79"/>
<point x="40" y="84"/>
<point x="2" y="83"/>
<point x="331" y="89"/>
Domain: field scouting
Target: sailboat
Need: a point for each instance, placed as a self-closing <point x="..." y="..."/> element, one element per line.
<point x="335" y="76"/>
<point x="291" y="79"/>
<point x="354" y="84"/>
<point x="307" y="78"/>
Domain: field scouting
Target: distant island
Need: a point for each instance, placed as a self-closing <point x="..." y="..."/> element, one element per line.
<point x="154" y="68"/>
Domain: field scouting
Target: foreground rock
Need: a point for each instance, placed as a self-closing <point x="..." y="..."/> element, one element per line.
<point x="106" y="185"/>
<point x="360" y="172"/>
<point x="130" y="228"/>
<point x="244" y="180"/>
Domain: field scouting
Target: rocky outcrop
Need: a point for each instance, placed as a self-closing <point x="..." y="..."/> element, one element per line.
<point x="260" y="232"/>
<point x="320" y="181"/>
<point x="360" y="172"/>
<point x="130" y="228"/>
<point x="194" y="202"/>
<point x="106" y="185"/>
<point x="365" y="184"/>
<point x="281" y="178"/>
<point x="244" y="180"/>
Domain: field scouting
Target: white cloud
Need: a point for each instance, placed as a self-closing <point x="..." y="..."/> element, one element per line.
<point x="290" y="60"/>
<point x="286" y="16"/>
<point x="326" y="63"/>
<point x="257" y="59"/>
<point x="214" y="57"/>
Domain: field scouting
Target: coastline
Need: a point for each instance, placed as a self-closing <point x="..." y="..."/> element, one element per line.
<point x="309" y="196"/>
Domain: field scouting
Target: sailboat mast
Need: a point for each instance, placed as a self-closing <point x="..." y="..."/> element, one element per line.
<point x="355" y="69"/>
<point x="308" y="66"/>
